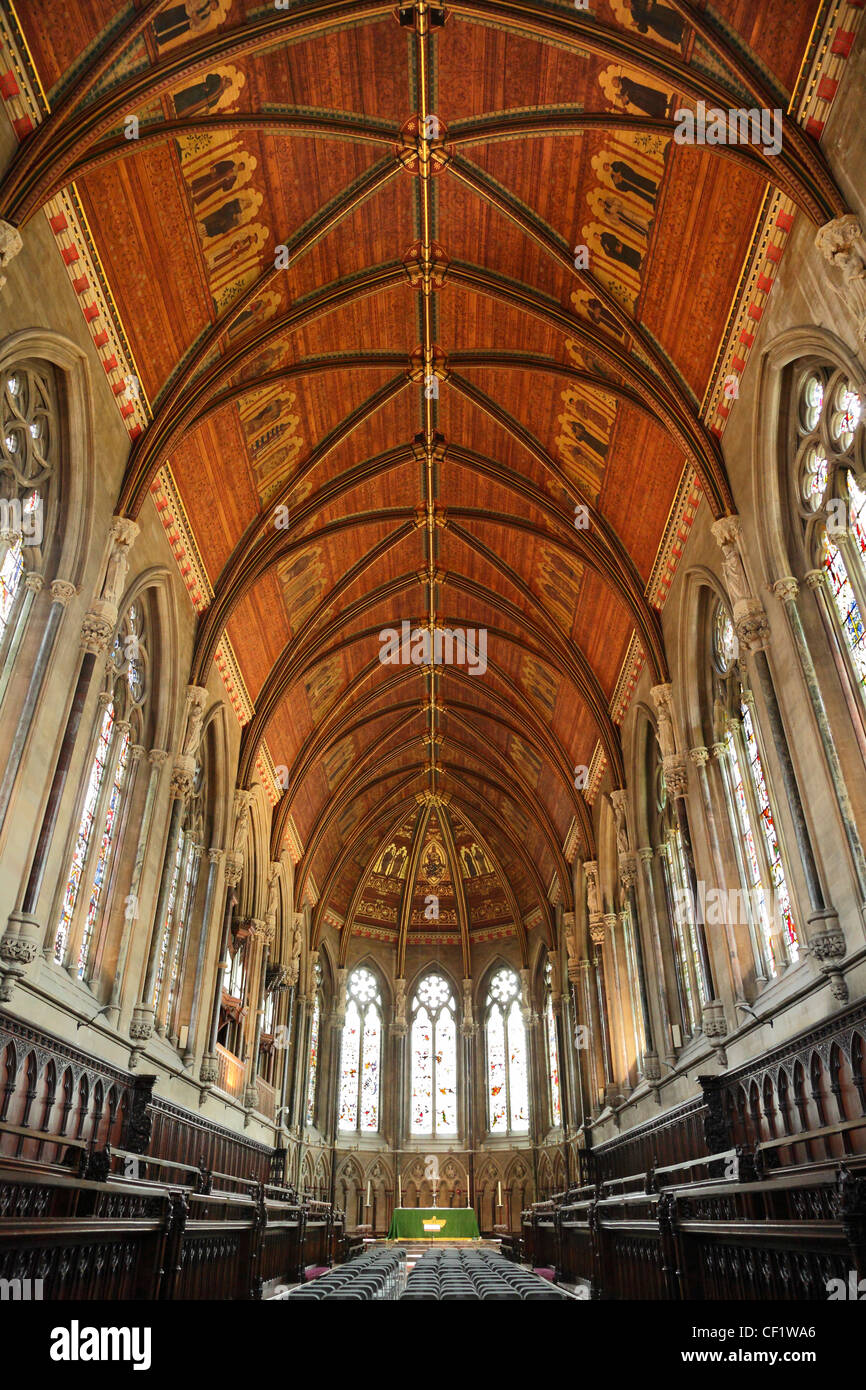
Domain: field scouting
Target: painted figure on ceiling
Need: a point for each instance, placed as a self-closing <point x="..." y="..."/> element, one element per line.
<point x="628" y="180"/>
<point x="220" y="178"/>
<point x="238" y="248"/>
<point x="619" y="251"/>
<point x="201" y="96"/>
<point x="583" y="436"/>
<point x="648" y="99"/>
<point x="616" y="211"/>
<point x="648" y="14"/>
<point x="225" y="219"/>
<point x="179" y="20"/>
<point x="596" y="311"/>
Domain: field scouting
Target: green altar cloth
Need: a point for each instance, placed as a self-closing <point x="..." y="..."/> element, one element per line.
<point x="445" y="1223"/>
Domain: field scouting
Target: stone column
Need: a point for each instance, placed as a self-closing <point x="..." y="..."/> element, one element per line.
<point x="597" y="934"/>
<point x="787" y="592"/>
<point x="156" y="758"/>
<point x="179" y="945"/>
<point x="208" y="923"/>
<point x="143" y="1015"/>
<point x="759" y="953"/>
<point x="647" y="1059"/>
<point x="700" y="758"/>
<point x="646" y="856"/>
<point x="824" y="934"/>
<point x="263" y="932"/>
<point x="676" y="781"/>
<point x="682" y="977"/>
<point x="209" y="1064"/>
<point x="182" y="776"/>
<point x="288" y="1056"/>
<point x="20" y="942"/>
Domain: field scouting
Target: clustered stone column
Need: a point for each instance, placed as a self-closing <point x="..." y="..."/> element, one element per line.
<point x="675" y="769"/>
<point x="262" y="931"/>
<point x="144" y="1018"/>
<point x="825" y="937"/>
<point x="209" y="1071"/>
<point x="627" y="865"/>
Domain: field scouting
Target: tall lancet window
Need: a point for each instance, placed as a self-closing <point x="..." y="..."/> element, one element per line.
<point x="361" y="1054"/>
<point x="434" y="1058"/>
<point x="313" y="1064"/>
<point x="29" y="440"/>
<point x="828" y="447"/>
<point x="752" y="820"/>
<point x="507" y="1073"/>
<point x="119" y="725"/>
<point x="552" y="1049"/>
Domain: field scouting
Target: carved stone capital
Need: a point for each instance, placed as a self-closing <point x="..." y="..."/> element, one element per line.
<point x="234" y="869"/>
<point x="262" y="929"/>
<point x="97" y="627"/>
<point x="62" y="592"/>
<point x="786" y="589"/>
<point x="676" y="775"/>
<point x="157" y="757"/>
<point x="651" y="1066"/>
<point x="700" y="756"/>
<point x="215" y="856"/>
<point x="182" y="777"/>
<point x="34" y="582"/>
<point x="727" y="530"/>
<point x="597" y="929"/>
<point x="209" y="1072"/>
<point x="751" y="625"/>
<point x="826" y="941"/>
<point x="141" y="1024"/>
<point x="628" y="870"/>
<point x="815" y="579"/>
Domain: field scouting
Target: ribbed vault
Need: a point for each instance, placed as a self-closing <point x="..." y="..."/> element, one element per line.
<point x="355" y="300"/>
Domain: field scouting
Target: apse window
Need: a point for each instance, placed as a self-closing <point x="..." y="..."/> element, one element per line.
<point x="434" y="1058"/>
<point x="361" y="1054"/>
<point x="507" y="1083"/>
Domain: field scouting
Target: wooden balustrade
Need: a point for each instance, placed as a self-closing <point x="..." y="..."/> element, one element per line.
<point x="121" y="1239"/>
<point x="660" y="1236"/>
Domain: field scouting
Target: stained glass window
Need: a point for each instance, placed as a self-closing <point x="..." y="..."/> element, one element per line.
<point x="85" y="830"/>
<point x="725" y="643"/>
<point x="433" y="1107"/>
<point x="507" y="1072"/>
<point x="552" y="1053"/>
<point x="11" y="571"/>
<point x="102" y="857"/>
<point x="313" y="1068"/>
<point x="28" y="446"/>
<point x="361" y="1054"/>
<point x="781" y="904"/>
<point x="828" y="422"/>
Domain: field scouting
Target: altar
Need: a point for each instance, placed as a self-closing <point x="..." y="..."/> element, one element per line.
<point x="433" y="1223"/>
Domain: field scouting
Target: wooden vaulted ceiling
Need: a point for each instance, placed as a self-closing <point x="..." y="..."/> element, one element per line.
<point x="343" y="249"/>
